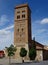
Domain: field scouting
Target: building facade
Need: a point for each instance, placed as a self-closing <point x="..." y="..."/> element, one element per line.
<point x="22" y="33"/>
<point x="22" y="28"/>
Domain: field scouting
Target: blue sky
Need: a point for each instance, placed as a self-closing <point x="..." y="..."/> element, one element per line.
<point x="39" y="20"/>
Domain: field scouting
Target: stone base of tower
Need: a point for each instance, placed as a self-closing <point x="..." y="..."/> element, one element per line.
<point x="17" y="53"/>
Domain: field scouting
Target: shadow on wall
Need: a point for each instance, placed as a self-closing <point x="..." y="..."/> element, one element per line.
<point x="45" y="55"/>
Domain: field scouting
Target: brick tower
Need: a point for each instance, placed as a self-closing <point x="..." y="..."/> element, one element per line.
<point x="22" y="28"/>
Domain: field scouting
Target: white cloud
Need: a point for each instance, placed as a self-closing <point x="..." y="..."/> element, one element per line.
<point x="6" y="30"/>
<point x="3" y="19"/>
<point x="41" y="31"/>
<point x="10" y="27"/>
<point x="6" y="36"/>
<point x="44" y="21"/>
<point x="6" y="33"/>
<point x="6" y="40"/>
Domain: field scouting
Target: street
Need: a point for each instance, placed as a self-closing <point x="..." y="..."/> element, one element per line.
<point x="5" y="61"/>
<point x="36" y="63"/>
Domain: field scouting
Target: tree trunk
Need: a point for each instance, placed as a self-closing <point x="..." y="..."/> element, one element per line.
<point x="22" y="60"/>
<point x="9" y="60"/>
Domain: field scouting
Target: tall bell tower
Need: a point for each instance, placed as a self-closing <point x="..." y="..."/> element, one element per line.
<point x="22" y="28"/>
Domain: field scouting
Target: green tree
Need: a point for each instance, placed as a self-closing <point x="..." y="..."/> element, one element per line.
<point x="32" y="54"/>
<point x="10" y="51"/>
<point x="23" y="53"/>
<point x="32" y="51"/>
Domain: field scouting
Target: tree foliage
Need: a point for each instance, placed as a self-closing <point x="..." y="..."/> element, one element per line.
<point x="32" y="51"/>
<point x="23" y="52"/>
<point x="11" y="50"/>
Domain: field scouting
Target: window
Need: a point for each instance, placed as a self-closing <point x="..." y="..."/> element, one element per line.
<point x="23" y="11"/>
<point x="23" y="16"/>
<point x="22" y="29"/>
<point x="18" y="17"/>
<point x="18" y="11"/>
<point x="18" y="30"/>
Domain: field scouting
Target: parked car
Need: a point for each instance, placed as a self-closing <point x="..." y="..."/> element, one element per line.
<point x="2" y="54"/>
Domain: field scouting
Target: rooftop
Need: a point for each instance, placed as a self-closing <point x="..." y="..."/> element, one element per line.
<point x="22" y="5"/>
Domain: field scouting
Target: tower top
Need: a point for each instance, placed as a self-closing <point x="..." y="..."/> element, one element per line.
<point x="22" y="5"/>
